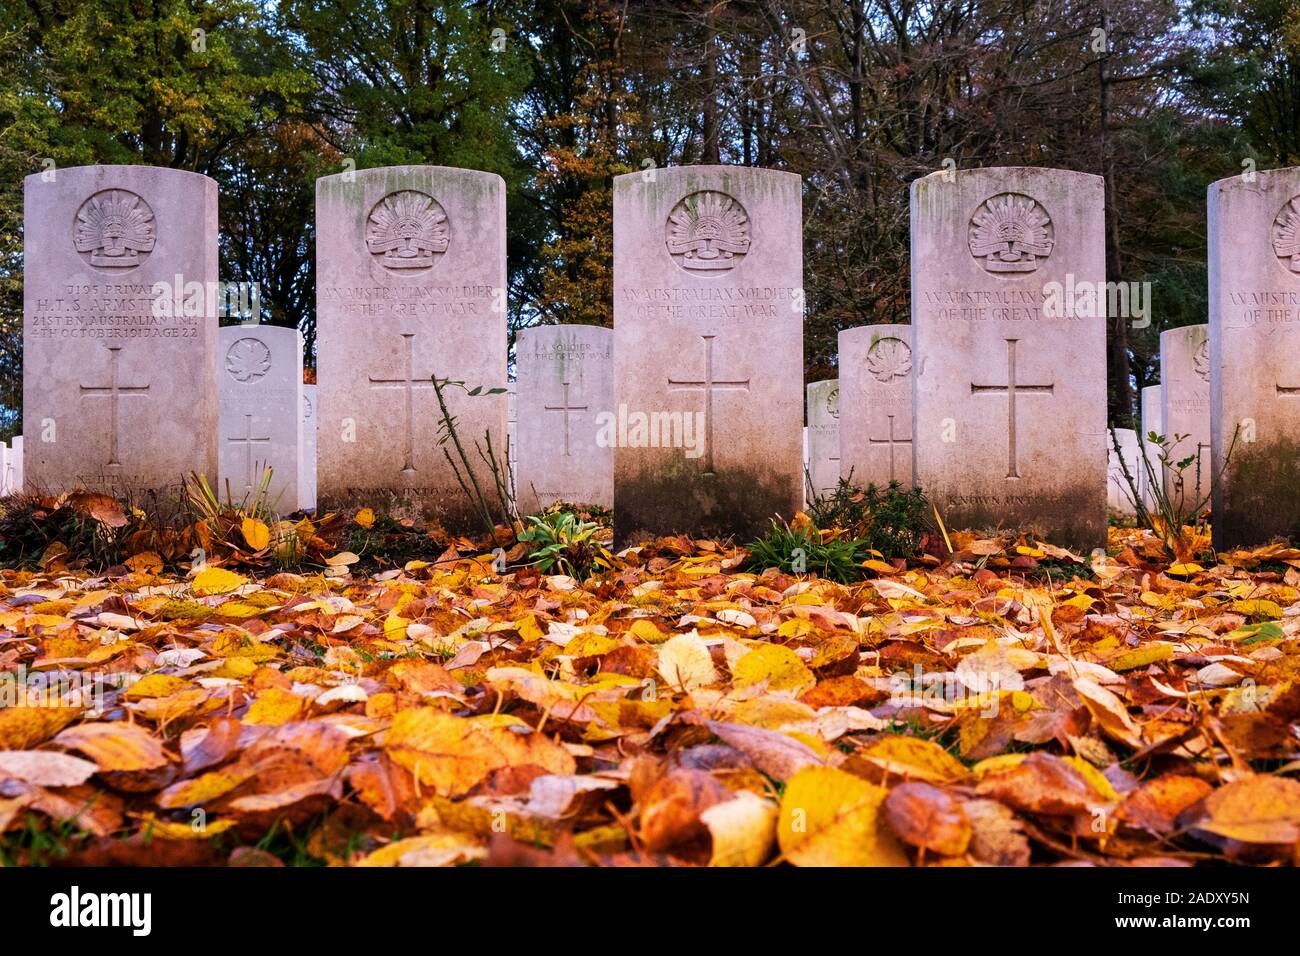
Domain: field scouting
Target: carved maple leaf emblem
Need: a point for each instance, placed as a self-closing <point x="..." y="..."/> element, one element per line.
<point x="1201" y="361"/>
<point x="888" y="359"/>
<point x="247" y="360"/>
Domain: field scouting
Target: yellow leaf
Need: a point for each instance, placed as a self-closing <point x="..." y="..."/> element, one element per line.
<point x="155" y="685"/>
<point x="1258" y="608"/>
<point x="255" y="533"/>
<point x="646" y="631"/>
<point x="913" y="758"/>
<point x="275" y="706"/>
<point x="779" y="666"/>
<point x="743" y="830"/>
<point x="832" y="818"/>
<point x="366" y="517"/>
<point x="1141" y="656"/>
<point x="115" y="745"/>
<point x="451" y="754"/>
<point x="1182" y="570"/>
<point x="218" y="581"/>
<point x="528" y="628"/>
<point x="685" y="663"/>
<point x="24" y="727"/>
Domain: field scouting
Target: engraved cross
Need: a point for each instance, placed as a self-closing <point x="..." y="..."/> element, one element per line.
<point x="892" y="442"/>
<point x="566" y="408"/>
<point x="113" y="391"/>
<point x="1012" y="389"/>
<point x="248" y="441"/>
<point x="708" y="385"/>
<point x="408" y="384"/>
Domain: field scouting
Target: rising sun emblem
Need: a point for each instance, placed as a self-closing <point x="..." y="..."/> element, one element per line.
<point x="1010" y="233"/>
<point x="115" y="227"/>
<point x="1286" y="234"/>
<point x="708" y="232"/>
<point x="407" y="230"/>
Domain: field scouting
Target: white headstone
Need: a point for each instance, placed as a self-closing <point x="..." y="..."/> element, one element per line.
<point x="307" y="493"/>
<point x="708" y="354"/>
<point x="1185" y="384"/>
<point x="1152" y="422"/>
<point x="6" y="469"/>
<point x="261" y="413"/>
<point x="1119" y="494"/>
<point x="565" y="382"/>
<point x="876" y="405"/>
<point x="18" y="470"/>
<point x="120" y="302"/>
<point x="1010" y="345"/>
<point x="823" y="436"/>
<point x="1254" y="272"/>
<point x="411" y="283"/>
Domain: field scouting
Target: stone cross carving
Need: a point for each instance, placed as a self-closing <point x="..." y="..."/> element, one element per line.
<point x="708" y="385"/>
<point x="891" y="442"/>
<point x="1012" y="388"/>
<point x="408" y="384"/>
<point x="113" y="391"/>
<point x="566" y="408"/>
<point x="248" y="440"/>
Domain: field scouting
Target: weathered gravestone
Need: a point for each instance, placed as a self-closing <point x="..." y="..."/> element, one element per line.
<point x="1152" y="422"/>
<point x="1185" y="389"/>
<point x="307" y="483"/>
<point x="1119" y="493"/>
<point x="120" y="301"/>
<point x="16" y="451"/>
<point x="565" y="390"/>
<point x="708" y="350"/>
<point x="876" y="405"/>
<point x="512" y="432"/>
<point x="1010" y="342"/>
<point x="823" y="451"/>
<point x="261" y="414"/>
<point x="6" y="469"/>
<point x="411" y="275"/>
<point x="1254" y="271"/>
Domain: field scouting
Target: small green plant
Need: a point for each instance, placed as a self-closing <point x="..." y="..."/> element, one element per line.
<point x="891" y="521"/>
<point x="805" y="550"/>
<point x="205" y="503"/>
<point x="565" y="544"/>
<point x="1174" y="500"/>
<point x="491" y="513"/>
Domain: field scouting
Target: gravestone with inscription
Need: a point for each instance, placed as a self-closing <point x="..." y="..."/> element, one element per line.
<point x="307" y="483"/>
<point x="1152" y="422"/>
<point x="1254" y="270"/>
<point x="411" y="277"/>
<point x="1119" y="492"/>
<point x="1010" y="345"/>
<point x="823" y="451"/>
<point x="565" y="380"/>
<point x="876" y="405"/>
<point x="120" y="301"/>
<point x="261" y="414"/>
<point x="1185" y="389"/>
<point x="708" y="350"/>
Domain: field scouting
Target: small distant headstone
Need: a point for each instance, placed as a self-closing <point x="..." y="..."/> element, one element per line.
<point x="1185" y="384"/>
<point x="565" y="391"/>
<point x="1119" y="493"/>
<point x="307" y="494"/>
<point x="876" y="405"/>
<point x="261" y="413"/>
<point x="823" y="437"/>
<point x="1152" y="423"/>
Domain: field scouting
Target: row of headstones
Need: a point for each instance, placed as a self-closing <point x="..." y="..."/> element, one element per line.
<point x="1007" y="352"/>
